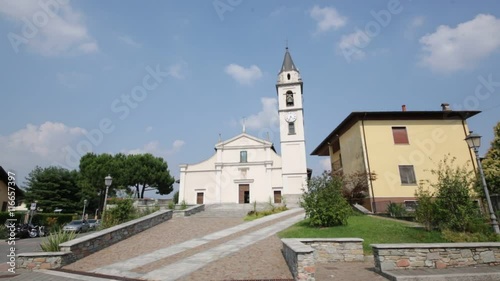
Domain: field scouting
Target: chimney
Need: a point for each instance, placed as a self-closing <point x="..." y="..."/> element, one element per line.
<point x="445" y="106"/>
<point x="403" y="107"/>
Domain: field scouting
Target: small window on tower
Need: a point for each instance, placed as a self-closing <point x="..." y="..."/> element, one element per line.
<point x="291" y="128"/>
<point x="288" y="76"/>
<point x="289" y="98"/>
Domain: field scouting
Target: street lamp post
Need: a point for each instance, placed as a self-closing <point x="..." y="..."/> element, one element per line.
<point x="474" y="142"/>
<point x="107" y="181"/>
<point x="84" y="204"/>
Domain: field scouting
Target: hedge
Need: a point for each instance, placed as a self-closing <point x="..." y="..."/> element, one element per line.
<point x="38" y="219"/>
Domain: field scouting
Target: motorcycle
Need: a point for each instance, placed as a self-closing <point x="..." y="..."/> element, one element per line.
<point x="30" y="230"/>
<point x="36" y="231"/>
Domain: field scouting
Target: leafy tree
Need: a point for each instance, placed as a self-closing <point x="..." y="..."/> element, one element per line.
<point x="54" y="187"/>
<point x="146" y="171"/>
<point x="491" y="163"/>
<point x="454" y="207"/>
<point x="323" y="202"/>
<point x="93" y="169"/>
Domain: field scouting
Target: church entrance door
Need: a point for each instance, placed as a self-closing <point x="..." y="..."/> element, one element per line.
<point x="199" y="198"/>
<point x="244" y="193"/>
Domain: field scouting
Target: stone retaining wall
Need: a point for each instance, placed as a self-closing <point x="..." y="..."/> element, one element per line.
<point x="43" y="260"/>
<point x="434" y="255"/>
<point x="86" y="245"/>
<point x="301" y="255"/>
<point x="189" y="211"/>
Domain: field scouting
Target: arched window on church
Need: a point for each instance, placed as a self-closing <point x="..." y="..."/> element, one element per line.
<point x="243" y="156"/>
<point x="289" y="98"/>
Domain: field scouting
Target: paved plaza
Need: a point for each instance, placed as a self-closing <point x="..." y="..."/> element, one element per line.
<point x="213" y="245"/>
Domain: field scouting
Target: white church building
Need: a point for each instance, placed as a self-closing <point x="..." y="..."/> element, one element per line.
<point x="245" y="169"/>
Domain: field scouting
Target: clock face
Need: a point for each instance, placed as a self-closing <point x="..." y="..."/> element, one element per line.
<point x="290" y="117"/>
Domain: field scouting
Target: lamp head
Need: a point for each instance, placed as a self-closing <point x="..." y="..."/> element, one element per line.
<point x="473" y="140"/>
<point x="108" y="180"/>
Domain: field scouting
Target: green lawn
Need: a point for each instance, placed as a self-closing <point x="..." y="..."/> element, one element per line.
<point x="373" y="230"/>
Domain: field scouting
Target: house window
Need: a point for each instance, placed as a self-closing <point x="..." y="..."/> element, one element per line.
<point x="289" y="98"/>
<point x="407" y="174"/>
<point x="410" y="205"/>
<point x="243" y="156"/>
<point x="291" y="128"/>
<point x="400" y="135"/>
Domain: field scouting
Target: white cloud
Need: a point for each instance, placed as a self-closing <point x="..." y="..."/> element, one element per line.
<point x="351" y="45"/>
<point x="245" y="76"/>
<point x="327" y="18"/>
<point x="325" y="164"/>
<point x="37" y="145"/>
<point x="149" y="129"/>
<point x="49" y="30"/>
<point x="129" y="41"/>
<point x="155" y="148"/>
<point x="178" y="70"/>
<point x="266" y="118"/>
<point x="451" y="49"/>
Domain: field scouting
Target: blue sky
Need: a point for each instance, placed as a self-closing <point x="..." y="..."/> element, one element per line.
<point x="167" y="77"/>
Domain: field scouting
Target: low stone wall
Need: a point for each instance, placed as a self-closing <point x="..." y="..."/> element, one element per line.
<point x="434" y="255"/>
<point x="189" y="211"/>
<point x="43" y="260"/>
<point x="81" y="247"/>
<point x="301" y="255"/>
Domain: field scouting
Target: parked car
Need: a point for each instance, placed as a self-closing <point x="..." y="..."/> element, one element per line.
<point x="94" y="224"/>
<point x="77" y="226"/>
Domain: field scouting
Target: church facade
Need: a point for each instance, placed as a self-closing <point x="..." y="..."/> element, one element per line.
<point x="245" y="169"/>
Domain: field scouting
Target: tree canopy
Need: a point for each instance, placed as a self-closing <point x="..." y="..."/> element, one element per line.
<point x="53" y="187"/>
<point x="491" y="162"/>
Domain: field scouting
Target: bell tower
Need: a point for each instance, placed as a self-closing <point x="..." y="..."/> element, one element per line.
<point x="292" y="136"/>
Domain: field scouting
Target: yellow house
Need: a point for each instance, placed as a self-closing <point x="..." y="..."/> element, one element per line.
<point x="4" y="191"/>
<point x="399" y="147"/>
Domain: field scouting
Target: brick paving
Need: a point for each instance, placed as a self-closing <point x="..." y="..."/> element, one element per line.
<point x="166" y="234"/>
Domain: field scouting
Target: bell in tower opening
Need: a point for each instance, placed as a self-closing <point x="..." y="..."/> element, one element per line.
<point x="289" y="98"/>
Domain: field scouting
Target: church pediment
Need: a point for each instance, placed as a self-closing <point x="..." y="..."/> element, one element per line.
<point x="243" y="140"/>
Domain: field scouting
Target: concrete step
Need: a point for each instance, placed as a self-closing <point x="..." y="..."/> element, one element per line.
<point x="480" y="273"/>
<point x="230" y="210"/>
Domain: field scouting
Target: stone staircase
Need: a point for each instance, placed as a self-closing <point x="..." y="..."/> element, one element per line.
<point x="229" y="210"/>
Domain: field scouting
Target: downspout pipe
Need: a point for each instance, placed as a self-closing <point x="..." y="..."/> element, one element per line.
<point x="374" y="205"/>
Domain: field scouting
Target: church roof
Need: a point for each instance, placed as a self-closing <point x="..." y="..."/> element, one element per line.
<point x="288" y="63"/>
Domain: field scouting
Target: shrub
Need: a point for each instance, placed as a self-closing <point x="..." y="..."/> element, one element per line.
<point x="176" y="197"/>
<point x="183" y="205"/>
<point x="425" y="212"/>
<point x="171" y="205"/>
<point x="355" y="186"/>
<point x="122" y="212"/>
<point x="455" y="208"/>
<point x="396" y="210"/>
<point x="51" y="242"/>
<point x="323" y="202"/>
<point x="456" y="237"/>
